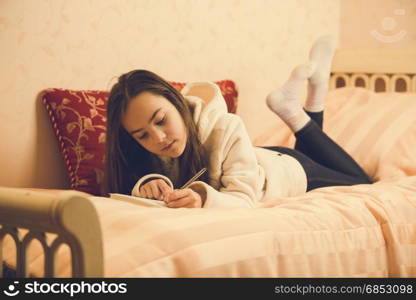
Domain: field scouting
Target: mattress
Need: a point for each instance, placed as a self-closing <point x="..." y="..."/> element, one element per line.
<point x="355" y="231"/>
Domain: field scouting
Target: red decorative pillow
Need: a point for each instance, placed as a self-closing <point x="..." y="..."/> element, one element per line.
<point x="79" y="121"/>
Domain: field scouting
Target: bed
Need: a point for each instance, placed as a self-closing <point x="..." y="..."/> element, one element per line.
<point x="357" y="231"/>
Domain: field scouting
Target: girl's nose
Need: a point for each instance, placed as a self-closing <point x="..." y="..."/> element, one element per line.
<point x="159" y="136"/>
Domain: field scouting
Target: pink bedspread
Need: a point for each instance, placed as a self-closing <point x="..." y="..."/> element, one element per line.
<point x="359" y="231"/>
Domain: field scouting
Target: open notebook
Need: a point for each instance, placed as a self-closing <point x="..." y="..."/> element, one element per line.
<point x="153" y="202"/>
<point x="138" y="200"/>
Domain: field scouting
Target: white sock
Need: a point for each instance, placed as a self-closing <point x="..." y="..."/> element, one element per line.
<point x="321" y="54"/>
<point x="286" y="102"/>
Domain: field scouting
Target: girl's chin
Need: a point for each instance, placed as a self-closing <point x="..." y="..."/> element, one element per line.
<point x="174" y="152"/>
<point x="177" y="152"/>
<point x="175" y="155"/>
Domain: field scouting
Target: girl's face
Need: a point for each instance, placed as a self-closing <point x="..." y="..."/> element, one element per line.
<point x="155" y="124"/>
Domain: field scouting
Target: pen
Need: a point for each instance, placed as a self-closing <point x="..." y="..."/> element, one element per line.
<point x="196" y="176"/>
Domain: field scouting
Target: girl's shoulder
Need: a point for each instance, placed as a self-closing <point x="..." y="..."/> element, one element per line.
<point x="225" y="127"/>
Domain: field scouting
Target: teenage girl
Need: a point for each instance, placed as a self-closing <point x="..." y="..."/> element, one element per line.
<point x="158" y="138"/>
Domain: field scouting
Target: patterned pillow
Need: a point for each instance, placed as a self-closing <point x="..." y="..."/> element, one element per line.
<point x="79" y="121"/>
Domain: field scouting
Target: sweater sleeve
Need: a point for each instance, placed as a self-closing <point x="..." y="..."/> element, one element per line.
<point x="136" y="189"/>
<point x="242" y="179"/>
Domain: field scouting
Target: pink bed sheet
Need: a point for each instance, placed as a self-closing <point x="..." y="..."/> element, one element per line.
<point x="357" y="231"/>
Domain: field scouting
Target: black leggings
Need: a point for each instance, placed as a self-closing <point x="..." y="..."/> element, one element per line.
<point x="325" y="163"/>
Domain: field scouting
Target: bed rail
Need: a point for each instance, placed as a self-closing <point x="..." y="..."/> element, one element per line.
<point x="379" y="71"/>
<point x="69" y="215"/>
<point x="377" y="82"/>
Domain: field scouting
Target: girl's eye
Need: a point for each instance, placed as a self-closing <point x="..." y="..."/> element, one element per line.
<point x="143" y="136"/>
<point x="161" y="122"/>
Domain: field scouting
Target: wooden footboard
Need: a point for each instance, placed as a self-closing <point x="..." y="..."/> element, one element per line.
<point x="28" y="215"/>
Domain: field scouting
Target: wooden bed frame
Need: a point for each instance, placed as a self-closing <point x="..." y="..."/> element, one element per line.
<point x="53" y="218"/>
<point x="388" y="71"/>
<point x="73" y="220"/>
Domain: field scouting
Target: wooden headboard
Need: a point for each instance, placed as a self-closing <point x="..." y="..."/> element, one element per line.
<point x="380" y="71"/>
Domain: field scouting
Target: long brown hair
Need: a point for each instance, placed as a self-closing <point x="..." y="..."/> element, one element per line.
<point x="125" y="159"/>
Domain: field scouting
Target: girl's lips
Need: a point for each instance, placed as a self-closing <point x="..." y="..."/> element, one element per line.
<point x="168" y="146"/>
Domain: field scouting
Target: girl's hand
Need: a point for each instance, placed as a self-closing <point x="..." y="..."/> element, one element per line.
<point x="183" y="198"/>
<point x="155" y="189"/>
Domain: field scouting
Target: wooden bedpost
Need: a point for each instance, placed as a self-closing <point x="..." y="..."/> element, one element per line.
<point x="28" y="215"/>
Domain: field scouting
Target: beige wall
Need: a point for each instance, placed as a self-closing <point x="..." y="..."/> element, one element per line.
<point x="83" y="44"/>
<point x="378" y="24"/>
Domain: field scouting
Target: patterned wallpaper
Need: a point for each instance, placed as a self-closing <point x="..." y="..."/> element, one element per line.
<point x="84" y="44"/>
